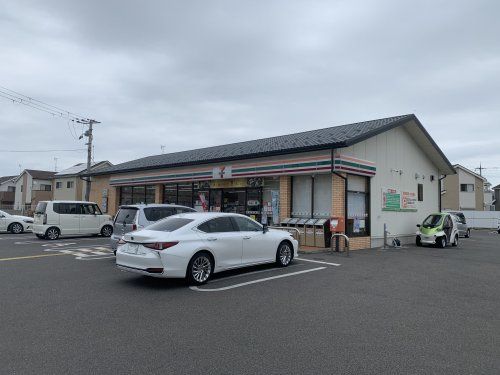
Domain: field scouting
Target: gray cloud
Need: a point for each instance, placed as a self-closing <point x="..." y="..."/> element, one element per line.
<point x="196" y="73"/>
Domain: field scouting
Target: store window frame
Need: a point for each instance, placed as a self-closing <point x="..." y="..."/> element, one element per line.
<point x="143" y="198"/>
<point x="348" y="230"/>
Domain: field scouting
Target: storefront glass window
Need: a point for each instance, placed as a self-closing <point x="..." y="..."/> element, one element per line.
<point x="270" y="201"/>
<point x="358" y="204"/>
<point x="185" y="194"/>
<point x="126" y="195"/>
<point x="150" y="194"/>
<point x="200" y="195"/>
<point x="322" y="196"/>
<point x="138" y="194"/>
<point x="170" y="193"/>
<point x="302" y="196"/>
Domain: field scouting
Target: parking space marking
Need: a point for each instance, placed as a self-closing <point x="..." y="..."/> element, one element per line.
<point x="32" y="256"/>
<point x="86" y="253"/>
<point x="247" y="274"/>
<point x="318" y="261"/>
<point x="197" y="289"/>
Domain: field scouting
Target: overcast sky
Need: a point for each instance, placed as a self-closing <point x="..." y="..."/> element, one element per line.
<point x="189" y="74"/>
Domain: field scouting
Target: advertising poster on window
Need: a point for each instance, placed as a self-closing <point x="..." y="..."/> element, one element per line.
<point x="395" y="200"/>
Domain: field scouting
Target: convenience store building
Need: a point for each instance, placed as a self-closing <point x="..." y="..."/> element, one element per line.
<point x="380" y="171"/>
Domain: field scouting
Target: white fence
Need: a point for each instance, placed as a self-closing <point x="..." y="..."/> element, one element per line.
<point x="482" y="219"/>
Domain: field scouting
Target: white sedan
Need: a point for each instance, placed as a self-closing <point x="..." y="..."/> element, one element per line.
<point x="15" y="223"/>
<point x="197" y="245"/>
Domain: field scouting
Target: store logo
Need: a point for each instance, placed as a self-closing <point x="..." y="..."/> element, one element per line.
<point x="222" y="172"/>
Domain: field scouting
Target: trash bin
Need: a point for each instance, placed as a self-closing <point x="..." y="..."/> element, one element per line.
<point x="292" y="224"/>
<point x="285" y="222"/>
<point x="300" y="225"/>
<point x="310" y="232"/>
<point x="322" y="233"/>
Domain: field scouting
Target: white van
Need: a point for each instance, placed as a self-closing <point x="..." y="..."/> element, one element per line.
<point x="67" y="218"/>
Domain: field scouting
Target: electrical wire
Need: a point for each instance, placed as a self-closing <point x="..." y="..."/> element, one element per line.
<point x="68" y="150"/>
<point x="35" y="101"/>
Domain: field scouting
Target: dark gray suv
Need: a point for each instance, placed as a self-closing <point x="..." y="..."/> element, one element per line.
<point x="137" y="216"/>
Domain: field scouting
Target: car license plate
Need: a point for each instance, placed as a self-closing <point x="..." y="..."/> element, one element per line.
<point x="131" y="248"/>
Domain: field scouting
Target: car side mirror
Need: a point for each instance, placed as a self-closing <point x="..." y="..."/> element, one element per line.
<point x="418" y="225"/>
<point x="265" y="228"/>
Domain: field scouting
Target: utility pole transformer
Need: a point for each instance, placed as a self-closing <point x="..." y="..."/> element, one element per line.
<point x="88" y="134"/>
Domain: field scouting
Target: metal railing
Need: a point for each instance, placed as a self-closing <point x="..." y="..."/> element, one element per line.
<point x="289" y="229"/>
<point x="337" y="244"/>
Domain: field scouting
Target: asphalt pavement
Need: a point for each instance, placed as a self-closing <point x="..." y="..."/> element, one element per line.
<point x="65" y="308"/>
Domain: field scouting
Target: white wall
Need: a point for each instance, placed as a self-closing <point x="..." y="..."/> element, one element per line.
<point x="467" y="199"/>
<point x="396" y="150"/>
<point x="65" y="193"/>
<point x="482" y="219"/>
<point x="5" y="186"/>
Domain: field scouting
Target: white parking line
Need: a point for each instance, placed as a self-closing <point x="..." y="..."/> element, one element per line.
<point x="197" y="289"/>
<point x="247" y="273"/>
<point x="96" y="258"/>
<point x="318" y="261"/>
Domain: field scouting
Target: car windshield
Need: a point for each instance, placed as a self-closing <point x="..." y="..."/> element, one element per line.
<point x="41" y="207"/>
<point x="432" y="221"/>
<point x="169" y="224"/>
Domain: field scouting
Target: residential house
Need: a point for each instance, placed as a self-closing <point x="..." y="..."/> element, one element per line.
<point x="463" y="190"/>
<point x="32" y="186"/>
<point x="68" y="183"/>
<point x="7" y="191"/>
<point x="489" y="197"/>
<point x="496" y="189"/>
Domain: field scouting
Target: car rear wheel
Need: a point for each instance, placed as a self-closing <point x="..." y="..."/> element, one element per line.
<point x="467" y="234"/>
<point x="455" y="242"/>
<point x="16" y="228"/>
<point x="284" y="254"/>
<point x="52" y="233"/>
<point x="107" y="231"/>
<point x="442" y="242"/>
<point x="200" y="269"/>
<point x="418" y="241"/>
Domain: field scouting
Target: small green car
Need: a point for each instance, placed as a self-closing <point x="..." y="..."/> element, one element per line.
<point x="438" y="229"/>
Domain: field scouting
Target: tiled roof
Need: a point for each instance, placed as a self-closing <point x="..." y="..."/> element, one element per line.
<point x="41" y="175"/>
<point x="6" y="178"/>
<point x="80" y="167"/>
<point x="333" y="137"/>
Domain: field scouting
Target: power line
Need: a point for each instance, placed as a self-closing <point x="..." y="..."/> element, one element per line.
<point x="69" y="150"/>
<point x="39" y="103"/>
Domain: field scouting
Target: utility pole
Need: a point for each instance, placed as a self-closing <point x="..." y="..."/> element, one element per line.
<point x="55" y="164"/>
<point x="88" y="134"/>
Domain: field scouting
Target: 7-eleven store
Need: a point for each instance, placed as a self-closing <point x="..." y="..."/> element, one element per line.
<point x="383" y="172"/>
<point x="270" y="190"/>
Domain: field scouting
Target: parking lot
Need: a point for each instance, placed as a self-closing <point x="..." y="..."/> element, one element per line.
<point x="65" y="308"/>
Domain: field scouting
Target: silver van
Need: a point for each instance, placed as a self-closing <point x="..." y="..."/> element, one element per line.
<point x="137" y="216"/>
<point x="463" y="228"/>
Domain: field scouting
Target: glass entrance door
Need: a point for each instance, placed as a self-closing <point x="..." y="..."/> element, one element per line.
<point x="233" y="200"/>
<point x="215" y="201"/>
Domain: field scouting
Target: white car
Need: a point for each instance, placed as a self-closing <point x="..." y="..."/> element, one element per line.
<point x="15" y="223"/>
<point x="55" y="218"/>
<point x="197" y="245"/>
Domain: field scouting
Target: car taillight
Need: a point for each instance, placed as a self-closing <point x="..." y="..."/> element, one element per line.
<point x="44" y="219"/>
<point x="159" y="245"/>
<point x="134" y="226"/>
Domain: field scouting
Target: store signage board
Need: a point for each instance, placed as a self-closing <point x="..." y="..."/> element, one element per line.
<point x="395" y="200"/>
<point x="227" y="184"/>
